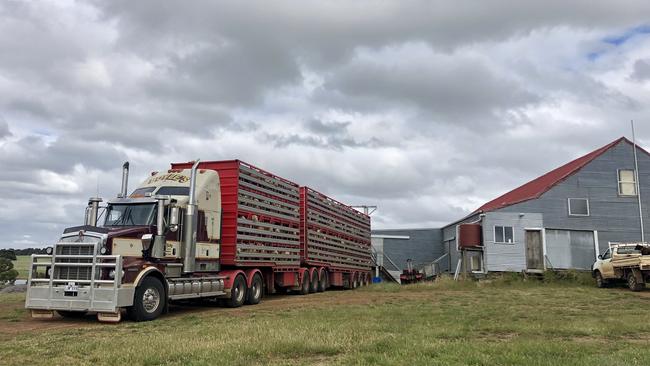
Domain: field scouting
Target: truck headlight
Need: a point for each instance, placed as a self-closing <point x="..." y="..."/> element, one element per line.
<point x="103" y="251"/>
<point x="49" y="250"/>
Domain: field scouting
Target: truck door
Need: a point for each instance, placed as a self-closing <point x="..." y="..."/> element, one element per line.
<point x="606" y="267"/>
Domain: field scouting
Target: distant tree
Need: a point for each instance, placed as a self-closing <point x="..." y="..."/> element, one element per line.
<point x="7" y="271"/>
<point x="8" y="253"/>
<point x="29" y="251"/>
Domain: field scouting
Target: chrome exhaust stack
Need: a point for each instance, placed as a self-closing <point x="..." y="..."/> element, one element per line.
<point x="190" y="223"/>
<point x="92" y="211"/>
<point x="159" y="241"/>
<point x="125" y="180"/>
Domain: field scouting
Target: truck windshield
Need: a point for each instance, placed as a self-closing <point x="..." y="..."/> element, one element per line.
<point x="130" y="214"/>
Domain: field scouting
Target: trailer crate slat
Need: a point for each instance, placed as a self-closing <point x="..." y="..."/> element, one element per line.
<point x="337" y="208"/>
<point x="333" y="228"/>
<point x="243" y="237"/>
<point x="259" y="204"/>
<point x="244" y="221"/>
<point x="318" y="206"/>
<point x="249" y="186"/>
<point x="279" y="187"/>
<point x="267" y="233"/>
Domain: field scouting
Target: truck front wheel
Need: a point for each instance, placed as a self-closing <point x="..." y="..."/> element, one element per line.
<point x="149" y="300"/>
<point x="237" y="292"/>
<point x="633" y="283"/>
<point x="600" y="281"/>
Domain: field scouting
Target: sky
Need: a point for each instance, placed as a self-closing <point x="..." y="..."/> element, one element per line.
<point x="426" y="109"/>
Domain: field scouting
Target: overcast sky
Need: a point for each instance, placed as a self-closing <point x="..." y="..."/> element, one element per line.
<point x="425" y="109"/>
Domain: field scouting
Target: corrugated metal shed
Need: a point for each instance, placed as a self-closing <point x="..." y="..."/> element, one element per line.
<point x="423" y="246"/>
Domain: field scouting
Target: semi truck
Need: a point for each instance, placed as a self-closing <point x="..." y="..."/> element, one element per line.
<point x="225" y="231"/>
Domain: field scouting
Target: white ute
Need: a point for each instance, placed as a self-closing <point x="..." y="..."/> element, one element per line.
<point x="624" y="262"/>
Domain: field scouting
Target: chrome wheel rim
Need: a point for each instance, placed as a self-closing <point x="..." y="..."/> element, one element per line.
<point x="150" y="300"/>
<point x="239" y="293"/>
<point x="256" y="290"/>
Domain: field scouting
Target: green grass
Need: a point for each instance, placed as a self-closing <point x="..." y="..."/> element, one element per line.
<point x="21" y="264"/>
<point x="500" y="321"/>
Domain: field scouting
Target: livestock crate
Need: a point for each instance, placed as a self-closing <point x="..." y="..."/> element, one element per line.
<point x="333" y="234"/>
<point x="260" y="215"/>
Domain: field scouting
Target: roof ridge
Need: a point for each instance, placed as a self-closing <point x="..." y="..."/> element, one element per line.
<point x="542" y="184"/>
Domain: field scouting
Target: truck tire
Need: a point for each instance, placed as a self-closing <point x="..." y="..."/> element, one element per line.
<point x="237" y="292"/>
<point x="355" y="281"/>
<point x="633" y="283"/>
<point x="600" y="281"/>
<point x="313" y="285"/>
<point x="322" y="282"/>
<point x="256" y="290"/>
<point x="149" y="300"/>
<point x="306" y="284"/>
<point x="71" y="314"/>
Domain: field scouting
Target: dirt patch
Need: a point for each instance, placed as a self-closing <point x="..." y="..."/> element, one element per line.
<point x="23" y="322"/>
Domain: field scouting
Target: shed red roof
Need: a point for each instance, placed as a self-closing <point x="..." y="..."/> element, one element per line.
<point x="536" y="187"/>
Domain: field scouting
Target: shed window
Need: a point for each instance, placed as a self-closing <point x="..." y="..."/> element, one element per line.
<point x="504" y="234"/>
<point x="578" y="207"/>
<point x="626" y="182"/>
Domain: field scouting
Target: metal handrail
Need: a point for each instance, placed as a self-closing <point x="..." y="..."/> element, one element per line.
<point x="391" y="262"/>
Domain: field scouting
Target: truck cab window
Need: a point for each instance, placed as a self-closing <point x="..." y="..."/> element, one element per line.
<point x="130" y="214"/>
<point x="140" y="192"/>
<point x="607" y="254"/>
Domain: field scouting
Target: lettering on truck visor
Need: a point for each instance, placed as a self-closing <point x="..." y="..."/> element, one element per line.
<point x="175" y="177"/>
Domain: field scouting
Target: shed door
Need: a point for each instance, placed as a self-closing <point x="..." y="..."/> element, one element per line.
<point x="534" y="251"/>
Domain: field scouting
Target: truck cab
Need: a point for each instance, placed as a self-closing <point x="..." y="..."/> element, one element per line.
<point x="160" y="242"/>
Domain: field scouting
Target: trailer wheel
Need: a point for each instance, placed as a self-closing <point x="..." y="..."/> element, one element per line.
<point x="71" y="314"/>
<point x="149" y="300"/>
<point x="632" y="282"/>
<point x="306" y="283"/>
<point x="322" y="282"/>
<point x="256" y="290"/>
<point x="600" y="281"/>
<point x="237" y="292"/>
<point x="355" y="281"/>
<point x="313" y="285"/>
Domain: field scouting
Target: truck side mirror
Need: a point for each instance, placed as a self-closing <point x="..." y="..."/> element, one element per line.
<point x="173" y="219"/>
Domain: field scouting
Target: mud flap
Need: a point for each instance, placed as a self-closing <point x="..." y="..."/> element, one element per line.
<point x="638" y="275"/>
<point x="110" y="317"/>
<point x="42" y="314"/>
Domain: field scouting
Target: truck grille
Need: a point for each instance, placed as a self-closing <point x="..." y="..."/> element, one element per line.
<point x="62" y="272"/>
<point x="73" y="273"/>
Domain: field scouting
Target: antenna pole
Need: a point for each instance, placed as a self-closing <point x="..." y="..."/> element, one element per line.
<point x="638" y="186"/>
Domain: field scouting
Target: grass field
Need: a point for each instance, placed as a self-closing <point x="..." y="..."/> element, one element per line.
<point x="21" y="264"/>
<point x="445" y="323"/>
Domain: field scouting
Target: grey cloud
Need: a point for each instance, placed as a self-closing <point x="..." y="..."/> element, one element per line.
<point x="641" y="70"/>
<point x="4" y="129"/>
<point x="336" y="142"/>
<point x="33" y="153"/>
<point x="327" y="128"/>
<point x="451" y="89"/>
